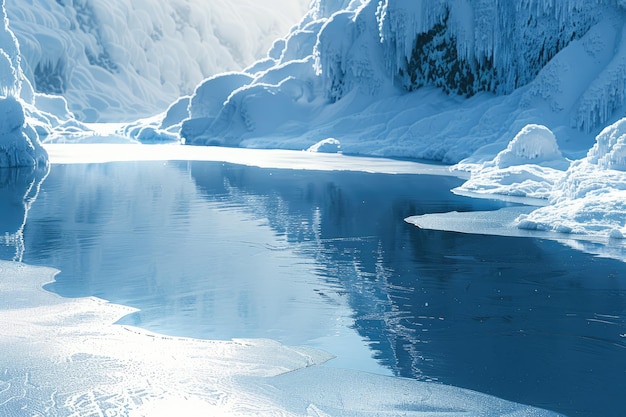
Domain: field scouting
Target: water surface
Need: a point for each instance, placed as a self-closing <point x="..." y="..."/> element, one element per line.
<point x="222" y="251"/>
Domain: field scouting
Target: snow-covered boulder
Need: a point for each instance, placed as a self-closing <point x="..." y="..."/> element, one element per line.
<point x="528" y="167"/>
<point x="534" y="144"/>
<point x="231" y="107"/>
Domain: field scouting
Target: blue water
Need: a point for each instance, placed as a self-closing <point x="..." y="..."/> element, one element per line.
<point x="324" y="258"/>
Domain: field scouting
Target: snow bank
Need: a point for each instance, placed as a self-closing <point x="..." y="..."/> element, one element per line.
<point x="388" y="78"/>
<point x="586" y="197"/>
<point x="528" y="167"/>
<point x="591" y="196"/>
<point x="534" y="144"/>
<point x="121" y="60"/>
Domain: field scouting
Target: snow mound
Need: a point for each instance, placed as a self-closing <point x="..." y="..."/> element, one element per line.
<point x="528" y="167"/>
<point x="328" y="145"/>
<point x="534" y="144"/>
<point x="609" y="151"/>
<point x="591" y="197"/>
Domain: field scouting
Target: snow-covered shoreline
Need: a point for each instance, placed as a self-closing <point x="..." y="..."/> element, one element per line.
<point x="68" y="357"/>
<point x="584" y="198"/>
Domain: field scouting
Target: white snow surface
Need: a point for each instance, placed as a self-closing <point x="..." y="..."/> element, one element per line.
<point x="586" y="197"/>
<point x="537" y="80"/>
<point x="507" y="88"/>
<point x="328" y="145"/>
<point x="513" y="91"/>
<point x="527" y="167"/>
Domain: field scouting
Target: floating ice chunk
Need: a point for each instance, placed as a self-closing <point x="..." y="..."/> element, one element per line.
<point x="329" y="145"/>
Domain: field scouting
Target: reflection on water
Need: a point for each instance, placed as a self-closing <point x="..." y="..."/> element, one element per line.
<point x="18" y="190"/>
<point x="220" y="251"/>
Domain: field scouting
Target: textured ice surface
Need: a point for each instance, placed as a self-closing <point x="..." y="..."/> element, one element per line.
<point x="65" y="357"/>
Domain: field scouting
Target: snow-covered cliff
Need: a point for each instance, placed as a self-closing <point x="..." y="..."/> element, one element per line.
<point x="431" y="79"/>
<point x="122" y="59"/>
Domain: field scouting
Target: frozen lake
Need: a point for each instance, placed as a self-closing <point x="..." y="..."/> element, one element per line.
<point x="324" y="259"/>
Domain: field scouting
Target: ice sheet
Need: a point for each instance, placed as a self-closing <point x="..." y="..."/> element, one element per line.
<point x="503" y="222"/>
<point x="286" y="159"/>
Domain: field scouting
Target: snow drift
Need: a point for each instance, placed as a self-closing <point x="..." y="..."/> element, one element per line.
<point x="583" y="197"/>
<point x="19" y="143"/>
<point x="443" y="80"/>
<point x="527" y="167"/>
